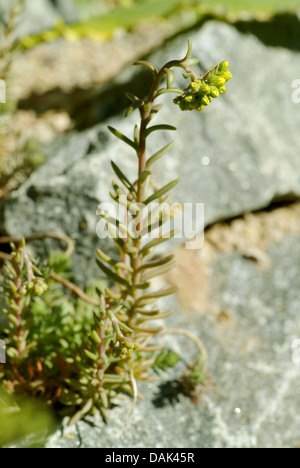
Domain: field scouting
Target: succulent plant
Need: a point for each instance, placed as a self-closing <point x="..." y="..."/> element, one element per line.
<point x="80" y="355"/>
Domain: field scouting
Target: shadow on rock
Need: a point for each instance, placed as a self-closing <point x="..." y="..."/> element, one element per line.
<point x="281" y="31"/>
<point x="168" y="393"/>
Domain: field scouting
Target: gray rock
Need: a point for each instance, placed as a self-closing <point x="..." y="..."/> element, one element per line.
<point x="254" y="363"/>
<point x="240" y="154"/>
<point x="67" y="8"/>
<point x="40" y="15"/>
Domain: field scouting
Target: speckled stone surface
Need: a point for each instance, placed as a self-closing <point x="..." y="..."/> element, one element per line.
<point x="254" y="364"/>
<point x="240" y="154"/>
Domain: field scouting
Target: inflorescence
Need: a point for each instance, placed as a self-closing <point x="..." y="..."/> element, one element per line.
<point x="201" y="91"/>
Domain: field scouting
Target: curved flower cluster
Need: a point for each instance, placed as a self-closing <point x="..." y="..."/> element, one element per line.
<point x="201" y="92"/>
<point x="124" y="349"/>
<point x="38" y="286"/>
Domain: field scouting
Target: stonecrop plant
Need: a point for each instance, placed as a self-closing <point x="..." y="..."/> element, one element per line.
<point x="80" y="355"/>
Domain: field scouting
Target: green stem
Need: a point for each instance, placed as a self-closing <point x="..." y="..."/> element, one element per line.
<point x="145" y="112"/>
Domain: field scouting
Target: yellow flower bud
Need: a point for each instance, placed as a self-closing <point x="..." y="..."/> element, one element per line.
<point x="222" y="89"/>
<point x="123" y="353"/>
<point x="189" y="98"/>
<point x="129" y="344"/>
<point x="195" y="86"/>
<point x="224" y="66"/>
<point x="214" y="92"/>
<point x="205" y="89"/>
<point x="226" y="75"/>
<point x="205" y="100"/>
<point x="217" y="81"/>
<point x="40" y="286"/>
<point x="199" y="87"/>
<point x="200" y="108"/>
